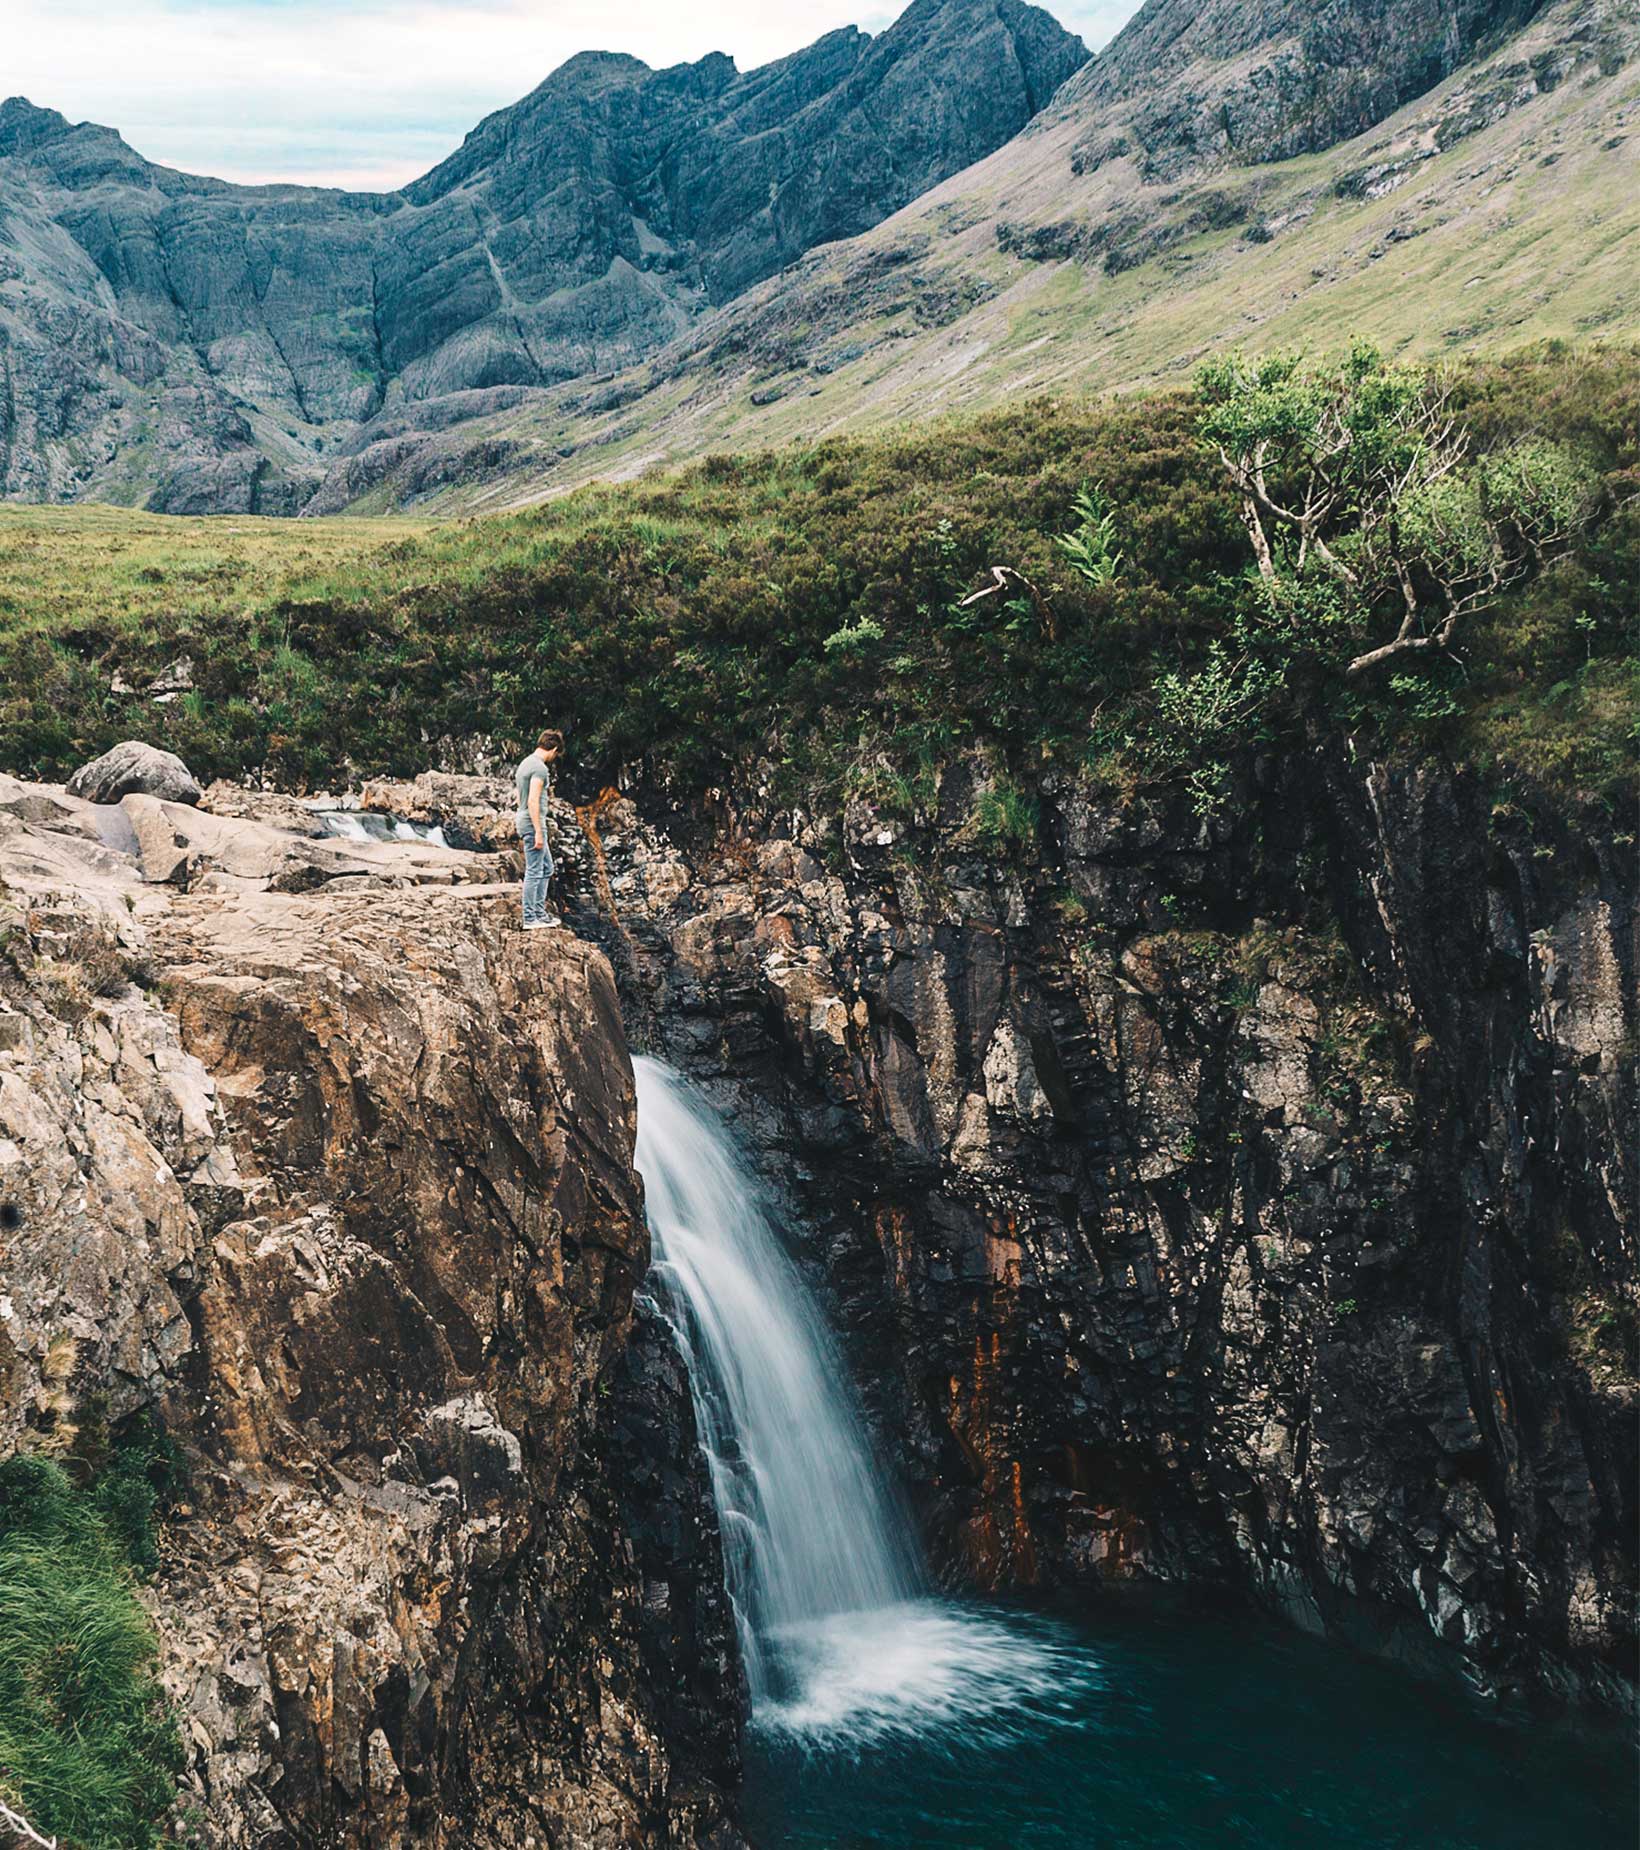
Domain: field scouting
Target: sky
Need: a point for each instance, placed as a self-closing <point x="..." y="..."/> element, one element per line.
<point x="371" y="93"/>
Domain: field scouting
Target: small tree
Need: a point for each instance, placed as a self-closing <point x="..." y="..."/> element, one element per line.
<point x="1360" y="473"/>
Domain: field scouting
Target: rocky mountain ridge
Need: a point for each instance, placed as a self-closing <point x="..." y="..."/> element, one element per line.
<point x="1441" y="179"/>
<point x="630" y="265"/>
<point x="198" y="346"/>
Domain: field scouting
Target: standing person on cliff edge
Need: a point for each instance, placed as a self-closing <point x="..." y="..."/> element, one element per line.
<point x="534" y="780"/>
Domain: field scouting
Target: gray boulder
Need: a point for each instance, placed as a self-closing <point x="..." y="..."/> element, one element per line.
<point x="135" y="768"/>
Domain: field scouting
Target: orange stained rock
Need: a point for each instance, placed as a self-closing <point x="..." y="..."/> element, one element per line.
<point x="1024" y="1547"/>
<point x="1004" y="1255"/>
<point x="996" y="1542"/>
<point x="894" y="1237"/>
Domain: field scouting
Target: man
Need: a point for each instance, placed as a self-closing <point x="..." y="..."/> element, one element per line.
<point x="534" y="780"/>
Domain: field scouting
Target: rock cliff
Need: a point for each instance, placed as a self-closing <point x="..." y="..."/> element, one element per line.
<point x="1248" y="1204"/>
<point x="309" y="1153"/>
<point x="1223" y="83"/>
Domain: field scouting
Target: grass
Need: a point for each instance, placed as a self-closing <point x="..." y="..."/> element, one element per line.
<point x="61" y="567"/>
<point x="88" y="1747"/>
<point x="795" y="615"/>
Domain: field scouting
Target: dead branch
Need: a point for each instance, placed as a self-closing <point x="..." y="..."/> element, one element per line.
<point x="1004" y="576"/>
<point x="20" y="1827"/>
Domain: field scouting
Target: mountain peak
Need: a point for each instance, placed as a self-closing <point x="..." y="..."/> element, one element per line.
<point x="24" y="126"/>
<point x="592" y="69"/>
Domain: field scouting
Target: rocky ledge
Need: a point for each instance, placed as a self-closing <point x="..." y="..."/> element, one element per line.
<point x="307" y="1151"/>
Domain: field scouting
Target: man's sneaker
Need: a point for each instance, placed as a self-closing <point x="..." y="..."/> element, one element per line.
<point x="535" y="924"/>
<point x="552" y="921"/>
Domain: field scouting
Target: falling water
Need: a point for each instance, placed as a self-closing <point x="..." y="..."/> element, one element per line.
<point x="839" y="1634"/>
<point x="808" y="1529"/>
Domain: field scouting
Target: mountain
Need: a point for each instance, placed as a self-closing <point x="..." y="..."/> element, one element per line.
<point x="197" y="346"/>
<point x="1440" y="174"/>
<point x="632" y="265"/>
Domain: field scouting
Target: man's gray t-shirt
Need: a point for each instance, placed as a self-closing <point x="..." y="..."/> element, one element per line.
<point x="533" y="767"/>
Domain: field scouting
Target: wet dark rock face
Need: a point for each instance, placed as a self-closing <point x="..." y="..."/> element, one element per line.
<point x="1249" y="1203"/>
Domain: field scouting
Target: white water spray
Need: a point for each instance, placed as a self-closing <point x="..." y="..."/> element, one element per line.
<point x="839" y="1637"/>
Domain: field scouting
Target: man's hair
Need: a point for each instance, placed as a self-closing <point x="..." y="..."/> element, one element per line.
<point x="550" y="741"/>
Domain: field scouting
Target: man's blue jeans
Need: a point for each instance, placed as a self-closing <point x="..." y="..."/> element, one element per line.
<point x="537" y="872"/>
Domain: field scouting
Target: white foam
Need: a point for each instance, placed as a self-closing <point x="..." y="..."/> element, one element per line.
<point x="925" y="1668"/>
<point x="339" y="822"/>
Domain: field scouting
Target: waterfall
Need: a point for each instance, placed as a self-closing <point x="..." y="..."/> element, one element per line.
<point x="839" y="1635"/>
<point x="808" y="1529"/>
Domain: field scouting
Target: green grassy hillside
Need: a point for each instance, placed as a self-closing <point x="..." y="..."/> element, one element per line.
<point x="799" y="609"/>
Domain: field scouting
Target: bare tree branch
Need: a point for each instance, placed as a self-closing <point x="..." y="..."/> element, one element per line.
<point x="1402" y="645"/>
<point x="1004" y="576"/>
<point x="20" y="1828"/>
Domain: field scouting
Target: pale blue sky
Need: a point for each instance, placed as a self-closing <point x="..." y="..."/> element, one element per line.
<point x="371" y="93"/>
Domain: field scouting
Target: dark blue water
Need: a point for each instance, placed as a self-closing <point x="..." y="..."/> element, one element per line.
<point x="1174" y="1732"/>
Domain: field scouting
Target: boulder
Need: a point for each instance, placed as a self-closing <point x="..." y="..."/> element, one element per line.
<point x="133" y="768"/>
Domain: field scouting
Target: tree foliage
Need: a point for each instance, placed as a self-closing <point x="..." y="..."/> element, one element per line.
<point x="1362" y="472"/>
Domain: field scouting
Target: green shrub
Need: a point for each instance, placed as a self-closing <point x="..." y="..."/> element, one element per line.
<point x="88" y="1748"/>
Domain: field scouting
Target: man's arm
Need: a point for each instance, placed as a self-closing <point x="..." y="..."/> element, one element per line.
<point x="537" y="785"/>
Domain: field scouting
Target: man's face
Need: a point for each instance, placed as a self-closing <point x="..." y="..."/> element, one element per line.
<point x="551" y="755"/>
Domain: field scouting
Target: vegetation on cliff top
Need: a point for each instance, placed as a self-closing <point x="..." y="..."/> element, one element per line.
<point x="821" y="611"/>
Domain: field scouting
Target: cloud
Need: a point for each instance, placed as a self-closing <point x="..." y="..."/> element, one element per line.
<point x="369" y="93"/>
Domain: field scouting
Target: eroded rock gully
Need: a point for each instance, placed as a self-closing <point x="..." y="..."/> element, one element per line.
<point x="304" y="1147"/>
<point x="1250" y="1203"/>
